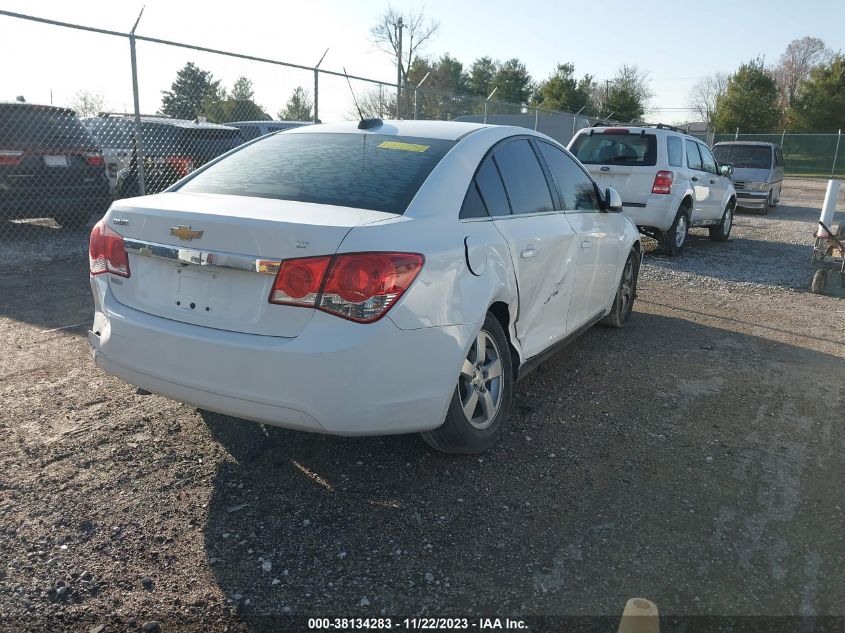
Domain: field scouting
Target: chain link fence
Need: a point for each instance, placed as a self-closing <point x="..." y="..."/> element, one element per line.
<point x="803" y="154"/>
<point x="60" y="169"/>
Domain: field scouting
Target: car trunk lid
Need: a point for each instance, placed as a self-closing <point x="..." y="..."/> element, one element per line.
<point x="210" y="259"/>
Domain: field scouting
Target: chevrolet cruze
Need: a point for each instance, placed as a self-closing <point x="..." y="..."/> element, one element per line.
<point x="363" y="278"/>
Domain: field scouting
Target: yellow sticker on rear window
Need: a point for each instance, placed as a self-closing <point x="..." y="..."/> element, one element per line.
<point x="407" y="147"/>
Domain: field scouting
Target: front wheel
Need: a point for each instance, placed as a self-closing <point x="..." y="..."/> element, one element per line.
<point x="722" y="231"/>
<point x="481" y="401"/>
<point x="623" y="303"/>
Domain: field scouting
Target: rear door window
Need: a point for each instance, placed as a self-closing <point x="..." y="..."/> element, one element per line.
<point x="365" y="171"/>
<point x="693" y="156"/>
<point x="523" y="176"/>
<point x="675" y="150"/>
<point x="576" y="189"/>
<point x="473" y="206"/>
<point x="616" y="148"/>
<point x="491" y="188"/>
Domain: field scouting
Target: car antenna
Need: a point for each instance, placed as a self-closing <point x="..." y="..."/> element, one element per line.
<point x="354" y="100"/>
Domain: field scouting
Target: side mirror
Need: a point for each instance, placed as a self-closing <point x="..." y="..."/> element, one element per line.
<point x="727" y="170"/>
<point x="612" y="201"/>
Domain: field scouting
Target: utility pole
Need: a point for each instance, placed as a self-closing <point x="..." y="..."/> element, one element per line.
<point x="399" y="26"/>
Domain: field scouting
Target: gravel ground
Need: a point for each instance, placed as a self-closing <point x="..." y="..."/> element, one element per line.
<point x="694" y="458"/>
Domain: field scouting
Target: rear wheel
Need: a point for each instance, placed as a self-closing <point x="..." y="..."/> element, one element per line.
<point x="722" y="231"/>
<point x="623" y="303"/>
<point x="672" y="241"/>
<point x="482" y="398"/>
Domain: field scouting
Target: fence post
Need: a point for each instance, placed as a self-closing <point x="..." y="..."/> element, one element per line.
<point x="836" y="153"/>
<point x="782" y="135"/>
<point x="316" y="95"/>
<point x="490" y="96"/>
<point x="736" y="136"/>
<point x="139" y="142"/>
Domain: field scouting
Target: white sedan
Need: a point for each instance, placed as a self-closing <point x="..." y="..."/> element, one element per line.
<point x="362" y="279"/>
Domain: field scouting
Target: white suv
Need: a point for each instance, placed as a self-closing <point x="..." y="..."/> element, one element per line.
<point x="669" y="181"/>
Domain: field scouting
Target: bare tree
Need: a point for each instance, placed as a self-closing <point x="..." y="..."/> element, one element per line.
<point x="87" y="103"/>
<point x="705" y="93"/>
<point x="416" y="32"/>
<point x="799" y="58"/>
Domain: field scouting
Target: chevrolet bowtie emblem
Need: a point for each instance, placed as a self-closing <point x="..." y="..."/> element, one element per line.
<point x="185" y="232"/>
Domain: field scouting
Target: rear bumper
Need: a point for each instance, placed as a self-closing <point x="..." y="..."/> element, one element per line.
<point x="19" y="204"/>
<point x="658" y="212"/>
<point x="336" y="377"/>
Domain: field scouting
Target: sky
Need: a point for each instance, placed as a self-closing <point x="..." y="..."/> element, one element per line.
<point x="675" y="42"/>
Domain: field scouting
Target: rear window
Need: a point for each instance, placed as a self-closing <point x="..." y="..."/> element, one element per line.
<point x="43" y="128"/>
<point x="744" y="156"/>
<point x="365" y="171"/>
<point x="616" y="149"/>
<point x="111" y="133"/>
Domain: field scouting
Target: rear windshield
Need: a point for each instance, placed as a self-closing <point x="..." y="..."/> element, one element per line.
<point x="30" y="127"/>
<point x="744" y="156"/>
<point x="616" y="149"/>
<point x="365" y="171"/>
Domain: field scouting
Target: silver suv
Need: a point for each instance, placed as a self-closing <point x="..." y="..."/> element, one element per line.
<point x="669" y="181"/>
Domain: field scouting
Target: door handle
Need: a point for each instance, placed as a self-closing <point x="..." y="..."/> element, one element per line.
<point x="528" y="253"/>
<point x="586" y="244"/>
<point x="694" y="178"/>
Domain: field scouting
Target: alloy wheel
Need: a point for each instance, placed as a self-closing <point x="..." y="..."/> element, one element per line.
<point x="480" y="383"/>
<point x="681" y="231"/>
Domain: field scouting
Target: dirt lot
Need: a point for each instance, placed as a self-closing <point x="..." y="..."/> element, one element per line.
<point x="694" y="458"/>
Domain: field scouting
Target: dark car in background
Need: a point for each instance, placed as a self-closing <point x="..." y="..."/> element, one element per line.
<point x="172" y="149"/>
<point x="50" y="166"/>
<point x="253" y="129"/>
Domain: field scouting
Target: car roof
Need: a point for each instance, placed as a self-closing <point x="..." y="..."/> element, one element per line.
<point x="161" y="120"/>
<point x="762" y="143"/>
<point x="445" y="130"/>
<point x="40" y="106"/>
<point x="636" y="129"/>
<point x="270" y="123"/>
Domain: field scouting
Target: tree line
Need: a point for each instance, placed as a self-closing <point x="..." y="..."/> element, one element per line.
<point x="803" y="92"/>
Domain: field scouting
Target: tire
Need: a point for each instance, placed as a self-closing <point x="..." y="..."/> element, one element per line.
<point x="722" y="231"/>
<point x="623" y="302"/>
<point x="818" y="282"/>
<point x="477" y="431"/>
<point x="672" y="241"/>
<point x="769" y="203"/>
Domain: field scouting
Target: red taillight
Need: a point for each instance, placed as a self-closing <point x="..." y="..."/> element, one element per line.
<point x="662" y="182"/>
<point x="94" y="159"/>
<point x="616" y="130"/>
<point x="182" y="164"/>
<point x="10" y="157"/>
<point x="106" y="252"/>
<point x="298" y="281"/>
<point x="361" y="287"/>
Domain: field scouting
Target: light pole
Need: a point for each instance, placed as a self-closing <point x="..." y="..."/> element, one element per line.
<point x="419" y="85"/>
<point x="490" y="96"/>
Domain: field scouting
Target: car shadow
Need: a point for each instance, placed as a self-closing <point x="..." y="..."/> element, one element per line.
<point x="599" y="490"/>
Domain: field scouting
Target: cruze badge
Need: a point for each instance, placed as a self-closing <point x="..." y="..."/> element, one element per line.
<point x="185" y="233"/>
<point x="120" y="221"/>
